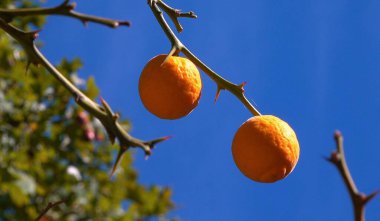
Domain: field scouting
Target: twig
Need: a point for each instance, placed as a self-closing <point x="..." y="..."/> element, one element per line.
<point x="64" y="9"/>
<point x="338" y="159"/>
<point x="104" y="113"/>
<point x="174" y="14"/>
<point x="222" y="84"/>
<point x="48" y="207"/>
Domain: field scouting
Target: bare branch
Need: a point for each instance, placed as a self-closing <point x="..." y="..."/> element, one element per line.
<point x="338" y="159"/>
<point x="48" y="207"/>
<point x="222" y="84"/>
<point x="104" y="113"/>
<point x="64" y="9"/>
<point x="174" y="14"/>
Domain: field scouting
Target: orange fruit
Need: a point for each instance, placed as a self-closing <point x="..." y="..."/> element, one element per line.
<point x="172" y="89"/>
<point x="265" y="149"/>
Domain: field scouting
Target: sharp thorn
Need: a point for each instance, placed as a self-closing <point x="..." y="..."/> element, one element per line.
<point x="119" y="157"/>
<point x="106" y="107"/>
<point x="146" y="157"/>
<point x="328" y="159"/>
<point x="111" y="136"/>
<point x="217" y="94"/>
<point x="152" y="143"/>
<point x="171" y="53"/>
<point x="371" y="196"/>
<point x="334" y="158"/>
<point x="64" y="3"/>
<point x="85" y="23"/>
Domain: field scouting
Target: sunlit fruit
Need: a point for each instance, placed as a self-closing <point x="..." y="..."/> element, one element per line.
<point x="171" y="88"/>
<point x="265" y="149"/>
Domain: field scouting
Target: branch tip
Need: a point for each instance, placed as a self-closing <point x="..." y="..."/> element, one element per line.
<point x="337" y="134"/>
<point x="125" y="23"/>
<point x="192" y="14"/>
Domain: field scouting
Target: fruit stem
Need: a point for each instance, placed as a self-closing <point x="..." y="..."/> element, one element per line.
<point x="237" y="90"/>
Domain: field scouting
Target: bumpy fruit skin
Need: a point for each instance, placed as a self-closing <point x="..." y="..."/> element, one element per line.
<point x="265" y="149"/>
<point x="170" y="90"/>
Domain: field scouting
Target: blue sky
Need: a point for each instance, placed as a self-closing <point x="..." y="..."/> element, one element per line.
<point x="314" y="64"/>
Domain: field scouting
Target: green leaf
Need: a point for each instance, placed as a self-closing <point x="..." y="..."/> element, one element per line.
<point x="92" y="91"/>
<point x="17" y="196"/>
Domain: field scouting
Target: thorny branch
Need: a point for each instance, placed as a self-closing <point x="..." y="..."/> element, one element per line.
<point x="104" y="113"/>
<point x="64" y="9"/>
<point x="48" y="207"/>
<point x="177" y="46"/>
<point x="338" y="159"/>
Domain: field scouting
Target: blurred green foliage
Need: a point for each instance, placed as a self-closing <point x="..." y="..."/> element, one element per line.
<point x="50" y="149"/>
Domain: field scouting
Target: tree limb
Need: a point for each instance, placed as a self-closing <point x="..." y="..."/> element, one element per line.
<point x="222" y="84"/>
<point x="104" y="113"/>
<point x="48" y="207"/>
<point x="338" y="159"/>
<point x="64" y="9"/>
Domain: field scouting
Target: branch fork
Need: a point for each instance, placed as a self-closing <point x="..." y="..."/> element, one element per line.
<point x="64" y="9"/>
<point x="338" y="159"/>
<point x="102" y="112"/>
<point x="158" y="7"/>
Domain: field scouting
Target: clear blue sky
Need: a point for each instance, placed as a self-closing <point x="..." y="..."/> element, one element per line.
<point x="315" y="64"/>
